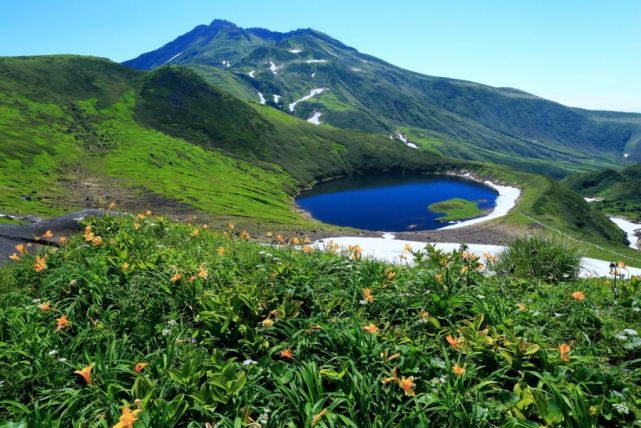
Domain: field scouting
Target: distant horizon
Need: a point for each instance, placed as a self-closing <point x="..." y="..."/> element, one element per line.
<point x="580" y="54"/>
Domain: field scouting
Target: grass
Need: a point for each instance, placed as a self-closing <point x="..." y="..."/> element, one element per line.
<point x="191" y="328"/>
<point x="456" y="209"/>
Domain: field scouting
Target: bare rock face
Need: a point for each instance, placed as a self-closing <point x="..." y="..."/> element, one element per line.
<point x="68" y="224"/>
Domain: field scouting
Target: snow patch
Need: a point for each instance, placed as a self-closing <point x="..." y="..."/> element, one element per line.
<point x="313" y="75"/>
<point x="173" y="58"/>
<point x="252" y="74"/>
<point x="412" y="145"/>
<point x="226" y="64"/>
<point x="356" y="69"/>
<point x="295" y="51"/>
<point x="401" y="137"/>
<point x="315" y="118"/>
<point x="505" y="201"/>
<point x="630" y="230"/>
<point x="276" y="98"/>
<point x="273" y="67"/>
<point x="261" y="98"/>
<point x="390" y="250"/>
<point x="312" y="93"/>
<point x="588" y="200"/>
<point x="625" y="155"/>
<point x="315" y="61"/>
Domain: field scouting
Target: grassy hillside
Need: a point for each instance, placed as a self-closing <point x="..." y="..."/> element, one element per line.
<point x="176" y="329"/>
<point x="618" y="191"/>
<point x="154" y="139"/>
<point x="468" y="120"/>
<point x="167" y="141"/>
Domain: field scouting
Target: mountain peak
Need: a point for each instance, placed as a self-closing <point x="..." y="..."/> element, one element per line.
<point x="222" y="23"/>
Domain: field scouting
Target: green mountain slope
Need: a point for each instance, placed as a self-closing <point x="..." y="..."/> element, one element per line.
<point x="619" y="192"/>
<point x="80" y="131"/>
<point x="447" y="116"/>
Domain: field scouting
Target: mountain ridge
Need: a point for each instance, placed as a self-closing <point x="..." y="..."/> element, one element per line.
<point x="452" y="117"/>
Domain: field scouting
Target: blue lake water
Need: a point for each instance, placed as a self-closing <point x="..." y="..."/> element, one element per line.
<point x="390" y="203"/>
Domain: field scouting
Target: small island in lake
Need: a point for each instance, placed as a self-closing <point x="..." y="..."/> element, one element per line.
<point x="456" y="209"/>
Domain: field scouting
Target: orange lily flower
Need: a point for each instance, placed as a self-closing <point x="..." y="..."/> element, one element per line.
<point x="308" y="249"/>
<point x="458" y="370"/>
<point x="45" y="306"/>
<point x="407" y="385"/>
<point x="47" y="234"/>
<point x="127" y="418"/>
<point x="136" y="226"/>
<point x="97" y="241"/>
<point x="221" y="251"/>
<point x="62" y="323"/>
<point x="195" y="232"/>
<point x="21" y="249"/>
<point x="176" y="277"/>
<point x="522" y="307"/>
<point x="141" y="216"/>
<point x="140" y="367"/>
<point x="287" y="354"/>
<point x="389" y="274"/>
<point x="439" y="278"/>
<point x="88" y="234"/>
<point x="454" y="343"/>
<point x="367" y="295"/>
<point x="40" y="263"/>
<point x="371" y="328"/>
<point x="111" y="205"/>
<point x="202" y="273"/>
<point x="85" y="373"/>
<point x="231" y="226"/>
<point x="148" y="212"/>
<point x="62" y="240"/>
<point x="125" y="266"/>
<point x="280" y="239"/>
<point x="392" y="378"/>
<point x="294" y="241"/>
<point x="424" y="314"/>
<point x="564" y="350"/>
<point x="578" y="295"/>
<point x="267" y="323"/>
<point x="14" y="257"/>
<point x="306" y="240"/>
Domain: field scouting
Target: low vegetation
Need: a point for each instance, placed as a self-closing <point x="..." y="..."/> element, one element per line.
<point x="541" y="257"/>
<point x="456" y="209"/>
<point x="142" y="320"/>
<point x="617" y="192"/>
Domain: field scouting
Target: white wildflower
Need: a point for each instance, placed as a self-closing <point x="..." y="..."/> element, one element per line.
<point x="621" y="408"/>
<point x="53" y="352"/>
<point x="249" y="362"/>
<point x="166" y="331"/>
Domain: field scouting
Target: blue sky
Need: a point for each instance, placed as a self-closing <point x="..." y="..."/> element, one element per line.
<point x="580" y="53"/>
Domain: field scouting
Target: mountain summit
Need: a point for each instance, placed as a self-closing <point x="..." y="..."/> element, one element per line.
<point x="312" y="76"/>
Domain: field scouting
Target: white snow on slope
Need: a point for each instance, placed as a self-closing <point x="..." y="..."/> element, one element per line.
<point x="312" y="93"/>
<point x="505" y="201"/>
<point x="261" y="98"/>
<point x="172" y="58"/>
<point x="390" y="250"/>
<point x="401" y="137"/>
<point x="356" y="69"/>
<point x="295" y="51"/>
<point x="313" y="75"/>
<point x="226" y="64"/>
<point x="630" y="230"/>
<point x="314" y="61"/>
<point x="273" y="67"/>
<point x="588" y="200"/>
<point x="276" y="98"/>
<point x="315" y="118"/>
<point x="625" y="155"/>
<point x="412" y="145"/>
<point x="252" y="73"/>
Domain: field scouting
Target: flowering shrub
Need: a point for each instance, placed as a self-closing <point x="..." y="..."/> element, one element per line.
<point x="160" y="326"/>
